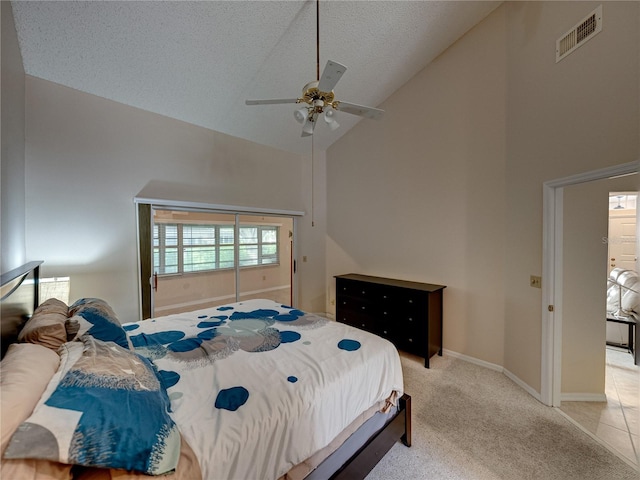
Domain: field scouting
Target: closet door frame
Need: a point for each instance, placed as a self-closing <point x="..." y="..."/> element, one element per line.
<point x="144" y="217"/>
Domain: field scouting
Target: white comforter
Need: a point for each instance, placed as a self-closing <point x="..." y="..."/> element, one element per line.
<point x="257" y="387"/>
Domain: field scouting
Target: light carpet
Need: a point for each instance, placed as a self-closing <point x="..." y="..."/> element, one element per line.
<point x="470" y="422"/>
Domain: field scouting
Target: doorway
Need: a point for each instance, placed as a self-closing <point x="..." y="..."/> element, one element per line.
<point x="563" y="318"/>
<point x="194" y="258"/>
<point x="552" y="274"/>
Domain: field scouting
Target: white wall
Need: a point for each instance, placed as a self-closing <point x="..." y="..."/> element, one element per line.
<point x="448" y="187"/>
<point x="420" y="195"/>
<point x="86" y="159"/>
<point x="12" y="228"/>
<point x="563" y="118"/>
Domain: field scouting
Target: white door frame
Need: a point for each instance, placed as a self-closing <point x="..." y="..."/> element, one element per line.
<point x="552" y="234"/>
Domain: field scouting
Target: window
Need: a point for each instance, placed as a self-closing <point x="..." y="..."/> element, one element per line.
<point x="165" y="248"/>
<point x="198" y="247"/>
<point x="212" y="247"/>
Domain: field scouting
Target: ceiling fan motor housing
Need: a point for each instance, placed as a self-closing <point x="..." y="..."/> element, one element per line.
<point x="316" y="98"/>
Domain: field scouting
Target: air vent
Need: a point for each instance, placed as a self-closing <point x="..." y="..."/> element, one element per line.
<point x="578" y="35"/>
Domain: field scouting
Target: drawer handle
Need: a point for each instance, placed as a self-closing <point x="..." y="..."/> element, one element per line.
<point x="410" y="319"/>
<point x="363" y="308"/>
<point x="363" y="292"/>
<point x="384" y="296"/>
<point x="385" y="313"/>
<point x="410" y="301"/>
<point x="411" y="340"/>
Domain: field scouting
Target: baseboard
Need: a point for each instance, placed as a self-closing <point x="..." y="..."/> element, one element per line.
<point x="565" y="397"/>
<point x="523" y="385"/>
<point x="583" y="397"/>
<point x="498" y="368"/>
<point x="475" y="361"/>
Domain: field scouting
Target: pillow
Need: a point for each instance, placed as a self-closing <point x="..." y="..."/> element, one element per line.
<point x="104" y="407"/>
<point x="95" y="317"/>
<point x="53" y="305"/>
<point x="47" y="325"/>
<point x="25" y="371"/>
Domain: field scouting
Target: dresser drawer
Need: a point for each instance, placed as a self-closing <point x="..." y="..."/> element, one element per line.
<point x="356" y="289"/>
<point x="356" y="317"/>
<point x="388" y="330"/>
<point x="353" y="304"/>
<point x="415" y="344"/>
<point x="408" y="300"/>
<point x="402" y="332"/>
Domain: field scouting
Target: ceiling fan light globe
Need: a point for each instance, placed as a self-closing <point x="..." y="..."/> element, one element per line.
<point x="300" y="115"/>
<point x="330" y="118"/>
<point x="307" y="128"/>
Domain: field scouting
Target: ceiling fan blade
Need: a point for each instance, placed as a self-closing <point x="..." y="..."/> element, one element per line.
<point x="353" y="109"/>
<point x="330" y="76"/>
<point x="273" y="101"/>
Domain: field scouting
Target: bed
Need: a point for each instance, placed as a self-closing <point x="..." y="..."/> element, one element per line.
<point x="246" y="390"/>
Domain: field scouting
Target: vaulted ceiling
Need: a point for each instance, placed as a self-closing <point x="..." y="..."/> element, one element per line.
<point x="199" y="61"/>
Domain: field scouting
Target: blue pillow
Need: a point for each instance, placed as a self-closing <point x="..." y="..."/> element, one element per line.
<point x="95" y="317"/>
<point x="113" y="413"/>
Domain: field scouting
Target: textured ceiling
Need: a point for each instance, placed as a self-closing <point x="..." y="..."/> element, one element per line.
<point x="199" y="61"/>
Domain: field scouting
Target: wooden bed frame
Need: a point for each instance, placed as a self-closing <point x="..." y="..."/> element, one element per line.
<point x="18" y="302"/>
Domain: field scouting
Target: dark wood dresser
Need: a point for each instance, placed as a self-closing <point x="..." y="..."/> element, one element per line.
<point x="408" y="314"/>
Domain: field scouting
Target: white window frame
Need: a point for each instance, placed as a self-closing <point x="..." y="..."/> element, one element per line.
<point x="261" y="259"/>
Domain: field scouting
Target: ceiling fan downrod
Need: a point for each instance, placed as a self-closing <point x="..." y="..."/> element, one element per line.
<point x="318" y="40"/>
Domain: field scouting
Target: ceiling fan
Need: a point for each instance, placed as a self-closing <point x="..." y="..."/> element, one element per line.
<point x="318" y="96"/>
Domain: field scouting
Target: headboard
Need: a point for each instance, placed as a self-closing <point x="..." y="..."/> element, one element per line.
<point x="18" y="300"/>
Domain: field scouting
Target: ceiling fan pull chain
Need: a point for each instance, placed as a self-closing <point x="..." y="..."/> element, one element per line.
<point x="313" y="222"/>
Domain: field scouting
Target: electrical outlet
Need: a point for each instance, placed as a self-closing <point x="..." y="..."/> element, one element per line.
<point x="535" y="282"/>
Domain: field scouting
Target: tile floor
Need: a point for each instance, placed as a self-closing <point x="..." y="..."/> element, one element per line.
<point x="615" y="423"/>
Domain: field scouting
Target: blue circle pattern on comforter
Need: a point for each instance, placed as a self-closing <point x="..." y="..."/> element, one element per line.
<point x="222" y="335"/>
